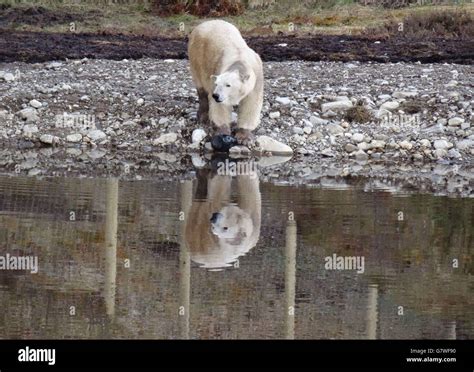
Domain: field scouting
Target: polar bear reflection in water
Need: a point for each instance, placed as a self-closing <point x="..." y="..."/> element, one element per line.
<point x="220" y="228"/>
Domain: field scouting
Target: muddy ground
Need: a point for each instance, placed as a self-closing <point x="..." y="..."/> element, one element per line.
<point x="40" y="47"/>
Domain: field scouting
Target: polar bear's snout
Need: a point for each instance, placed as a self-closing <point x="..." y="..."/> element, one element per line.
<point x="217" y="97"/>
<point x="215" y="217"/>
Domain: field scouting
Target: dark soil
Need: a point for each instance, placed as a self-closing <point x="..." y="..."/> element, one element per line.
<point x="40" y="47"/>
<point x="39" y="16"/>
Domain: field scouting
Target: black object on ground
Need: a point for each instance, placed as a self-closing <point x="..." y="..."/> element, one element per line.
<point x="223" y="142"/>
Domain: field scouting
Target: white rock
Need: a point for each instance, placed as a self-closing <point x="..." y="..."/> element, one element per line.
<point x="198" y="161"/>
<point x="166" y="139"/>
<point x="390" y="105"/>
<point x="454" y="154"/>
<point x="441" y="144"/>
<point x="425" y="143"/>
<point x="361" y="155"/>
<point x="28" y="114"/>
<point x="407" y="145"/>
<point x="29" y="130"/>
<point x="283" y="100"/>
<point x="454" y="122"/>
<point x="198" y="135"/>
<point x="440" y="153"/>
<point x="363" y="146"/>
<point x="358" y="137"/>
<point x="76" y="137"/>
<point x="334" y="129"/>
<point x="96" y="135"/>
<point x="384" y="97"/>
<point x="54" y="64"/>
<point x="465" y="144"/>
<point x="35" y="103"/>
<point x="268" y="144"/>
<point x="48" y="139"/>
<point x="307" y="129"/>
<point x="403" y="94"/>
<point x="336" y="106"/>
<point x="140" y="101"/>
<point x="317" y="121"/>
<point x="377" y="144"/>
<point x="239" y="150"/>
<point x="8" y="77"/>
<point x="274" y="115"/>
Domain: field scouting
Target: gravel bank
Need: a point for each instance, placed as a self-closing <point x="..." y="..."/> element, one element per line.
<point x="419" y="117"/>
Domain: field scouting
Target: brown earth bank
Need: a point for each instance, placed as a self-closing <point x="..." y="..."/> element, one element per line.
<point x="26" y="46"/>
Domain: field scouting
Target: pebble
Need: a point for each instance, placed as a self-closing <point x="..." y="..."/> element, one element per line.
<point x="336" y="106"/>
<point x="406" y="145"/>
<point x="390" y="105"/>
<point x="28" y="114"/>
<point x="166" y="139"/>
<point x="48" y="139"/>
<point x="334" y="129"/>
<point x="198" y="135"/>
<point x="441" y="144"/>
<point x="350" y="147"/>
<point x="454" y="122"/>
<point x="35" y="103"/>
<point x="74" y="138"/>
<point x="283" y="100"/>
<point x="96" y="135"/>
<point x="358" y="137"/>
<point x="361" y="155"/>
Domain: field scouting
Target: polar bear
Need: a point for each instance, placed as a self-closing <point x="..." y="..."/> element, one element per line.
<point x="226" y="73"/>
<point x="217" y="231"/>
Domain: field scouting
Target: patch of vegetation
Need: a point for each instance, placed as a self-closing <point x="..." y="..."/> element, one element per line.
<point x="438" y="24"/>
<point x="358" y="114"/>
<point x="201" y="8"/>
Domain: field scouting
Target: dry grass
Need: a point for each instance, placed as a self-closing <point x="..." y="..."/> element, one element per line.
<point x="343" y="17"/>
<point x="446" y="23"/>
<point x="358" y="114"/>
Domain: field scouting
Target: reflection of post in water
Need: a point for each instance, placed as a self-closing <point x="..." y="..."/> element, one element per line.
<point x="290" y="279"/>
<point x="372" y="311"/>
<point x="186" y="194"/>
<point x="111" y="218"/>
<point x="452" y="330"/>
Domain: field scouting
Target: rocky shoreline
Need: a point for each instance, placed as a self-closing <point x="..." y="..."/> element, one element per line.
<point x="416" y="118"/>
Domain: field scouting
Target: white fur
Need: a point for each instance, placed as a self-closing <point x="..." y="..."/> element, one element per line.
<point x="214" y="49"/>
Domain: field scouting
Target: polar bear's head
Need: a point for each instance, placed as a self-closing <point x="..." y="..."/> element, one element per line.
<point x="232" y="224"/>
<point x="234" y="84"/>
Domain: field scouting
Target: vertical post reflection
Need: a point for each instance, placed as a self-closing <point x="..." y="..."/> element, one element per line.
<point x="186" y="192"/>
<point x="111" y="222"/>
<point x="372" y="311"/>
<point x="290" y="279"/>
<point x="452" y="330"/>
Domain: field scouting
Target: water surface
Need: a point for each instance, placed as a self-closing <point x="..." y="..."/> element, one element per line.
<point x="142" y="259"/>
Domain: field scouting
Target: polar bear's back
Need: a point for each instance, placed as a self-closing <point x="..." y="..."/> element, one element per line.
<point x="222" y="33"/>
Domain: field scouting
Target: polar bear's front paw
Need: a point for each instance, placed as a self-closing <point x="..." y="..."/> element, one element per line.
<point x="244" y="137"/>
<point x="222" y="130"/>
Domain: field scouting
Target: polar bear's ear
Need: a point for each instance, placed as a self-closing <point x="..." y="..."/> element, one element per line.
<point x="213" y="78"/>
<point x="244" y="77"/>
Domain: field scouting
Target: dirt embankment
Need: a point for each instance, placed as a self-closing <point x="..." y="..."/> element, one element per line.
<point x="40" y="47"/>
